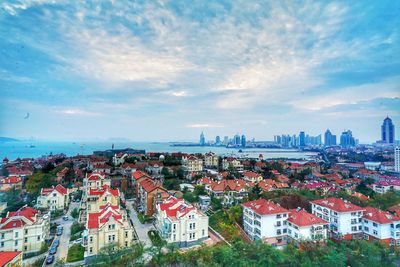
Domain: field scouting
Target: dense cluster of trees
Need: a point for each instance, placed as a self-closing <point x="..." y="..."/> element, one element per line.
<point x="342" y="254"/>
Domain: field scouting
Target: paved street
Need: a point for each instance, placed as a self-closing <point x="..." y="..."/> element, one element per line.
<point x="141" y="229"/>
<point x="62" y="250"/>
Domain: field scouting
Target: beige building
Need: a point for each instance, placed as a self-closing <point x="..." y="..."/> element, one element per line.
<point x="54" y="198"/>
<point x="192" y="164"/>
<point x="100" y="197"/>
<point x="24" y="230"/>
<point x="253" y="177"/>
<point x="109" y="226"/>
<point x="211" y="160"/>
<point x="232" y="163"/>
<point x="181" y="223"/>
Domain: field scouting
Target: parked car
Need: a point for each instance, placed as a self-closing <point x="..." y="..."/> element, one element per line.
<point x="56" y="243"/>
<point x="78" y="241"/>
<point x="53" y="250"/>
<point x="50" y="259"/>
<point x="65" y="218"/>
<point x="59" y="231"/>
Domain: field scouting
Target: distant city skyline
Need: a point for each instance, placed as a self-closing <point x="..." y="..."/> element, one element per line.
<point x="165" y="71"/>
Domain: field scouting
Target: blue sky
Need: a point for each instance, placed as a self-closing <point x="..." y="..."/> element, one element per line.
<point x="167" y="70"/>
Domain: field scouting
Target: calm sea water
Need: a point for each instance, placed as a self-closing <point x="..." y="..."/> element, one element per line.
<point x="23" y="149"/>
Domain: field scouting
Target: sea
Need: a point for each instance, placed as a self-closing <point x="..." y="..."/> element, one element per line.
<point x="35" y="149"/>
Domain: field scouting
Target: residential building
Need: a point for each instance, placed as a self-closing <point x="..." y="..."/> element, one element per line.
<point x="119" y="158"/>
<point x="253" y="177"/>
<point x="397" y="159"/>
<point x="243" y="141"/>
<point x="229" y="191"/>
<point x="344" y="217"/>
<point x="230" y="162"/>
<point x="10" y="259"/>
<point x="387" y="131"/>
<point x="109" y="226"/>
<point x="101" y="196"/>
<point x="150" y="193"/>
<point x="24" y="230"/>
<point x="96" y="180"/>
<point x="211" y="160"/>
<point x="181" y="223"/>
<point x="263" y="219"/>
<point x="54" y="198"/>
<point x="12" y="181"/>
<point x="192" y="164"/>
<point x="302" y="139"/>
<point x="385" y="185"/>
<point x="304" y="226"/>
<point x="381" y="225"/>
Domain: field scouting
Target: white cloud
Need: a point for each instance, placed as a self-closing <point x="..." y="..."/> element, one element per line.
<point x="204" y="125"/>
<point x="78" y="112"/>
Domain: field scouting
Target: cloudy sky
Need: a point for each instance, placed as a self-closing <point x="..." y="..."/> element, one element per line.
<point x="167" y="70"/>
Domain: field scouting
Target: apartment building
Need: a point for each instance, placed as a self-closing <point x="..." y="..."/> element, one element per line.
<point x="181" y="223"/>
<point x="150" y="193"/>
<point x="304" y="226"/>
<point x="381" y="225"/>
<point x="54" y="198"/>
<point x="109" y="226"/>
<point x="344" y="217"/>
<point x="192" y="164"/>
<point x="263" y="219"/>
<point x="24" y="230"/>
<point x="100" y="197"/>
<point x="211" y="160"/>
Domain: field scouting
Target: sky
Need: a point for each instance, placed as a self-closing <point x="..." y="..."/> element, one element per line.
<point x="167" y="70"/>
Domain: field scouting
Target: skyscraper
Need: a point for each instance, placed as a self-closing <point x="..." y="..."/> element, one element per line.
<point x="217" y="140"/>
<point x="302" y="139"/>
<point x="202" y="139"/>
<point x="347" y="139"/>
<point x="243" y="141"/>
<point x="387" y="131"/>
<point x="330" y="139"/>
<point x="236" y="140"/>
<point x="397" y="158"/>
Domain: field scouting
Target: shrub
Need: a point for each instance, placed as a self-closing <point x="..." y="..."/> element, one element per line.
<point x="75" y="253"/>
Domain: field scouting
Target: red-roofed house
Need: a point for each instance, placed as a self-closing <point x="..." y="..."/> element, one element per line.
<point x="192" y="164"/>
<point x="54" y="198"/>
<point x="109" y="225"/>
<point x="263" y="219"/>
<point x="181" y="223"/>
<point x="381" y="225"/>
<point x="10" y="182"/>
<point x="24" y="230"/>
<point x="10" y="258"/>
<point x="304" y="226"/>
<point x="230" y="191"/>
<point x="149" y="194"/>
<point x="345" y="218"/>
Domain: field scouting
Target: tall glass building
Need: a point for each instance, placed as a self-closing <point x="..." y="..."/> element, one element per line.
<point x="387" y="131"/>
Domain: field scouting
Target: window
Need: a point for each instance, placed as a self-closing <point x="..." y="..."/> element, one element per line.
<point x="16" y="234"/>
<point x="284" y="215"/>
<point x="278" y="223"/>
<point x="16" y="242"/>
<point x="354" y="228"/>
<point x="2" y="244"/>
<point x="174" y="226"/>
<point x="278" y="232"/>
<point x="284" y="231"/>
<point x="354" y="214"/>
<point x="375" y="232"/>
<point x="25" y="248"/>
<point x="284" y="222"/>
<point x="173" y="237"/>
<point x="26" y="231"/>
<point x="126" y="234"/>
<point x="203" y="232"/>
<point x="366" y="229"/>
<point x="25" y="239"/>
<point x="375" y="224"/>
<point x="289" y="231"/>
<point x="257" y="231"/>
<point x="126" y="243"/>
<point x="90" y="250"/>
<point x="2" y="235"/>
<point x="278" y="216"/>
<point x="90" y="239"/>
<point x="38" y="238"/>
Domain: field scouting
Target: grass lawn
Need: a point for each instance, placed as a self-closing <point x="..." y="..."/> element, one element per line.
<point x="220" y="222"/>
<point x="75" y="253"/>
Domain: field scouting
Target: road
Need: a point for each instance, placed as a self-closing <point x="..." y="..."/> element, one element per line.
<point x="62" y="250"/>
<point x="141" y="229"/>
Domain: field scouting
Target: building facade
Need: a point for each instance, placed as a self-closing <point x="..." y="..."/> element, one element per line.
<point x="387" y="131"/>
<point x="54" y="198"/>
<point x="181" y="223"/>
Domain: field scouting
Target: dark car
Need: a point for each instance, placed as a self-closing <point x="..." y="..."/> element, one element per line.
<point x="59" y="231"/>
<point x="50" y="259"/>
<point x="56" y="243"/>
<point x="53" y="250"/>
